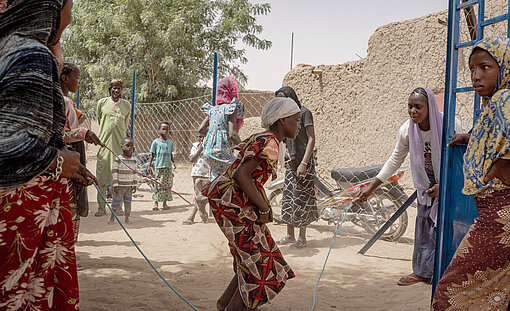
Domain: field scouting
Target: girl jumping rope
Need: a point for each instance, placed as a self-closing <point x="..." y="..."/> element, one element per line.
<point x="241" y="209"/>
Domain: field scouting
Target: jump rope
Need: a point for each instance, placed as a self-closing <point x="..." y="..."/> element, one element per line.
<point x="156" y="270"/>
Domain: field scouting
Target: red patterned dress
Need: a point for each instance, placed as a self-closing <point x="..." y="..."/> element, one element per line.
<point x="262" y="272"/>
<point x="37" y="260"/>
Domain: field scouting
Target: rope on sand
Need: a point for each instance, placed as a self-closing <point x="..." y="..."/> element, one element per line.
<point x="148" y="177"/>
<point x="138" y="248"/>
<point x="329" y="251"/>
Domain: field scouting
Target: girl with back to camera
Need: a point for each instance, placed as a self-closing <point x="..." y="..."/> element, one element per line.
<point x="241" y="209"/>
<point x="222" y="125"/>
<point x="420" y="136"/>
<point x="478" y="276"/>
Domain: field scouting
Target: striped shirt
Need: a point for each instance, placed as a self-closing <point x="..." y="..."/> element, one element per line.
<point x="122" y="175"/>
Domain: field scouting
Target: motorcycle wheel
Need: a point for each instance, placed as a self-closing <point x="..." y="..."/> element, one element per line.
<point x="383" y="206"/>
<point x="275" y="199"/>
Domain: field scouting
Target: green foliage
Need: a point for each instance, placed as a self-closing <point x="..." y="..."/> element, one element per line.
<point x="169" y="43"/>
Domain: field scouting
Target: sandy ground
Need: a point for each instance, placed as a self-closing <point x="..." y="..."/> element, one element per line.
<point x="195" y="260"/>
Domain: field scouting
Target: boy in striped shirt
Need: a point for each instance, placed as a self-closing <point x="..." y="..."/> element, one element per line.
<point x="124" y="181"/>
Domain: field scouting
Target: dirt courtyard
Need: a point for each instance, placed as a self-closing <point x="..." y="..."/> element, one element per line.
<point x="195" y="260"/>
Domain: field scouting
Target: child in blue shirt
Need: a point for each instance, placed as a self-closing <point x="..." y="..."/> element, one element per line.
<point x="162" y="158"/>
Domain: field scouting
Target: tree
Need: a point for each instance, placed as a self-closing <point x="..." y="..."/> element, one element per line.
<point x="169" y="43"/>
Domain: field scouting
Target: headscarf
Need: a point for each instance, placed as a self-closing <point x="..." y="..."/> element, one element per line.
<point x="490" y="137"/>
<point x="289" y="92"/>
<point x="32" y="113"/>
<point x="38" y="20"/>
<point x="420" y="179"/>
<point x="115" y="82"/>
<point x="276" y="109"/>
<point x="226" y="91"/>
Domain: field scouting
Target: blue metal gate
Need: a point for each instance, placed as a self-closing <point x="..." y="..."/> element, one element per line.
<point x="456" y="211"/>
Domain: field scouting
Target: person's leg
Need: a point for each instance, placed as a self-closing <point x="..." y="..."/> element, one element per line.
<point x="109" y="192"/>
<point x="236" y="303"/>
<point x="101" y="205"/>
<point x="201" y="200"/>
<point x="228" y="293"/>
<point x="423" y="252"/>
<point x="157" y="189"/>
<point x="194" y="209"/>
<point x="424" y="245"/>
<point x="290" y="237"/>
<point x="169" y="182"/>
<point x="302" y="234"/>
<point x="116" y="203"/>
<point x="128" y="198"/>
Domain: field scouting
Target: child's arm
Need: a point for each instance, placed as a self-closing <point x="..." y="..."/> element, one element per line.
<point x="195" y="156"/>
<point x="203" y="128"/>
<point x="115" y="172"/>
<point x="501" y="170"/>
<point x="172" y="159"/>
<point x="232" y="128"/>
<point x="243" y="177"/>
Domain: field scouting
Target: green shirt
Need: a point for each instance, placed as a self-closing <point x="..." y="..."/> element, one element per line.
<point x="162" y="151"/>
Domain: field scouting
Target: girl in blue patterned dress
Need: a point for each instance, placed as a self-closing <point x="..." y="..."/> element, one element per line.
<point x="224" y="121"/>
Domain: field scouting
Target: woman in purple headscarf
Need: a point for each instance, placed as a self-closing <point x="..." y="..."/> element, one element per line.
<point x="420" y="136"/>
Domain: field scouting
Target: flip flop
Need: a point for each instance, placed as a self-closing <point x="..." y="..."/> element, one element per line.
<point x="298" y="244"/>
<point x="188" y="222"/>
<point x="285" y="240"/>
<point x="411" y="279"/>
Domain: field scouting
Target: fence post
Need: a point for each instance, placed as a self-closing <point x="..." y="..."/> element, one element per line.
<point x="78" y="99"/>
<point x="215" y="78"/>
<point x="133" y="105"/>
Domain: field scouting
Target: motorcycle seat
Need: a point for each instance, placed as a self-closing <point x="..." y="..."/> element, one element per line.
<point x="356" y="174"/>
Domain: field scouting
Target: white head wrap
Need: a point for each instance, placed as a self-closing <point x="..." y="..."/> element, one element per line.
<point x="276" y="109"/>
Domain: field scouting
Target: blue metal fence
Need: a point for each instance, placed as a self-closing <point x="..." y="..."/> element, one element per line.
<point x="456" y="211"/>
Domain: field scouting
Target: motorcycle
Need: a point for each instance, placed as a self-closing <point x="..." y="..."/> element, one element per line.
<point x="370" y="215"/>
<point x="142" y="160"/>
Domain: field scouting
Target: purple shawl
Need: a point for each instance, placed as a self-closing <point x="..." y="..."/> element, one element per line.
<point x="420" y="178"/>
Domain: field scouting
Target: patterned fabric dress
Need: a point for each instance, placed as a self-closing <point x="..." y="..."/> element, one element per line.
<point x="478" y="277"/>
<point x="261" y="269"/>
<point x="37" y="262"/>
<point x="299" y="204"/>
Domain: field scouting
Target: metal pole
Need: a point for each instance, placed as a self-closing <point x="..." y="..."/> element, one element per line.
<point x="215" y="78"/>
<point x="444" y="231"/>
<point x="78" y="99"/>
<point x="291" y="50"/>
<point x="133" y="100"/>
<point x="388" y="223"/>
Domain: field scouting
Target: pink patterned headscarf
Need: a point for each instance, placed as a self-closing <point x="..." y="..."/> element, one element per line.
<point x="420" y="178"/>
<point x="228" y="90"/>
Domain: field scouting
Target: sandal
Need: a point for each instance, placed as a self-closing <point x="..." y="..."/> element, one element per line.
<point x="188" y="222"/>
<point x="298" y="244"/>
<point x="411" y="279"/>
<point x="286" y="240"/>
